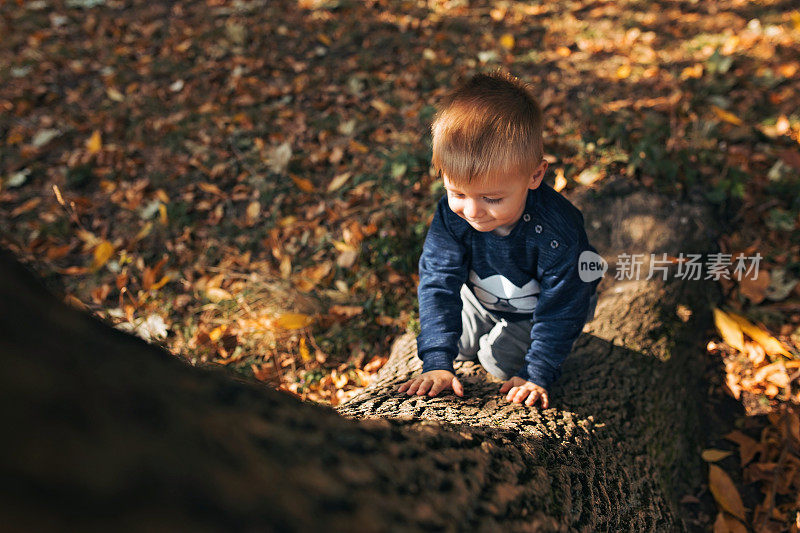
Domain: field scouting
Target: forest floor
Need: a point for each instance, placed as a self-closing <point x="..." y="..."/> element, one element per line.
<point x="247" y="183"/>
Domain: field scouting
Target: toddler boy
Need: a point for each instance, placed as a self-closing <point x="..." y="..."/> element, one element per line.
<point x="498" y="276"/>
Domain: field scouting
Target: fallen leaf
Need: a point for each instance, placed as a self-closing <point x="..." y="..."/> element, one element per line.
<point x="507" y="41"/>
<point x="748" y="446"/>
<point x="305" y="354"/>
<point x="725" y="492"/>
<point x="95" y="142"/>
<point x="253" y="212"/>
<point x="755" y="289"/>
<point x="338" y="181"/>
<point x="713" y="455"/>
<point x="729" y="330"/>
<point x="286" y="267"/>
<point x="215" y="294"/>
<point x="770" y="344"/>
<point x="623" y="71"/>
<point x="102" y="253"/>
<point x="278" y="158"/>
<point x="726" y="116"/>
<point x="115" y="95"/>
<point x="347" y="259"/>
<point x="293" y="321"/>
<point x="25" y="207"/>
<point x="561" y="181"/>
<point x="348" y="311"/>
<point x="302" y="183"/>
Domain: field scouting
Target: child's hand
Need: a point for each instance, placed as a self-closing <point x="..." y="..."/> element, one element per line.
<point x="519" y="389"/>
<point x="432" y="383"/>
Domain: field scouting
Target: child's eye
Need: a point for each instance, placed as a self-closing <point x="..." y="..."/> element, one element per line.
<point x="493" y="200"/>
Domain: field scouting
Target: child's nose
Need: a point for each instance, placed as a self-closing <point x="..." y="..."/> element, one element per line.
<point x="470" y="208"/>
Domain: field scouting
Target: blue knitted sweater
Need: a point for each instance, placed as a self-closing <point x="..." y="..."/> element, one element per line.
<point x="530" y="273"/>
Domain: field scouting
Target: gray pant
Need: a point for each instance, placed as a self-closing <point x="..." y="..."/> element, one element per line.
<point x="499" y="345"/>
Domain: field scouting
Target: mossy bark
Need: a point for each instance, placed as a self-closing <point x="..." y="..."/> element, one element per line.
<point x="104" y="431"/>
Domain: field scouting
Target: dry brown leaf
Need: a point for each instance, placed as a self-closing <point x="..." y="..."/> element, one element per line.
<point x="253" y="212"/>
<point x="725" y="492"/>
<point x="748" y="447"/>
<point x="755" y="289"/>
<point x="286" y="267"/>
<point x="729" y="329"/>
<point x="337" y="182"/>
<point x="348" y="311"/>
<point x="25" y="207"/>
<point x="712" y="455"/>
<point x="303" y="184"/>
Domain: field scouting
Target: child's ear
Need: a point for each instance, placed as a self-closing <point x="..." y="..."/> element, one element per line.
<point x="538" y="175"/>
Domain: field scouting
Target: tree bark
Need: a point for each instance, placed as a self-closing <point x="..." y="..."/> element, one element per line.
<point x="104" y="431"/>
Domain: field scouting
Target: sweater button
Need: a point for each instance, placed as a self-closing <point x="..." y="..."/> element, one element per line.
<point x="553" y="244"/>
<point x="538" y="228"/>
<point x="526" y="217"/>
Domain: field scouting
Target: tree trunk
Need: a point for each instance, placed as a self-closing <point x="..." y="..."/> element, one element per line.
<point x="104" y="431"/>
<point x="621" y="441"/>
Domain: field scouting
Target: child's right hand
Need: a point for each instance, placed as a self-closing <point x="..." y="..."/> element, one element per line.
<point x="432" y="383"/>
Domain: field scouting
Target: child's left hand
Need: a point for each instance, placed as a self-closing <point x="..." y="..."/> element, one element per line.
<point x="520" y="390"/>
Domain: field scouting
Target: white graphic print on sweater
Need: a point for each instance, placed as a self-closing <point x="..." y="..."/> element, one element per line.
<point x="497" y="293"/>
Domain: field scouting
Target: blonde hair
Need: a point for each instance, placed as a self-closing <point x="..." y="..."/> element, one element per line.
<point x="489" y="127"/>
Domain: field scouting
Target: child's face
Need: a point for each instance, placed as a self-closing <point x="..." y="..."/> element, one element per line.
<point x="488" y="206"/>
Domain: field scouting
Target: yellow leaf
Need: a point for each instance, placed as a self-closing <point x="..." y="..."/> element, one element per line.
<point x="344" y="247"/>
<point x="623" y="71"/>
<point x="160" y="283"/>
<point x="770" y="344"/>
<point x="162" y="214"/>
<point x="695" y="71"/>
<point x="795" y="16"/>
<point x="725" y="492"/>
<point x="507" y="41"/>
<point x="216" y="333"/>
<point x="563" y="51"/>
<point x="561" y="181"/>
<point x="712" y="455"/>
<point x="324" y="39"/>
<point x="729" y="329"/>
<point x="293" y="321"/>
<point x="95" y="143"/>
<point x="302" y="183"/>
<point x="305" y="355"/>
<point x="727" y="116"/>
<point x="144" y="232"/>
<point x="103" y="252"/>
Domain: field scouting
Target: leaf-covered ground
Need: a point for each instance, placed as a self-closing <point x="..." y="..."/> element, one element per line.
<point x="247" y="182"/>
